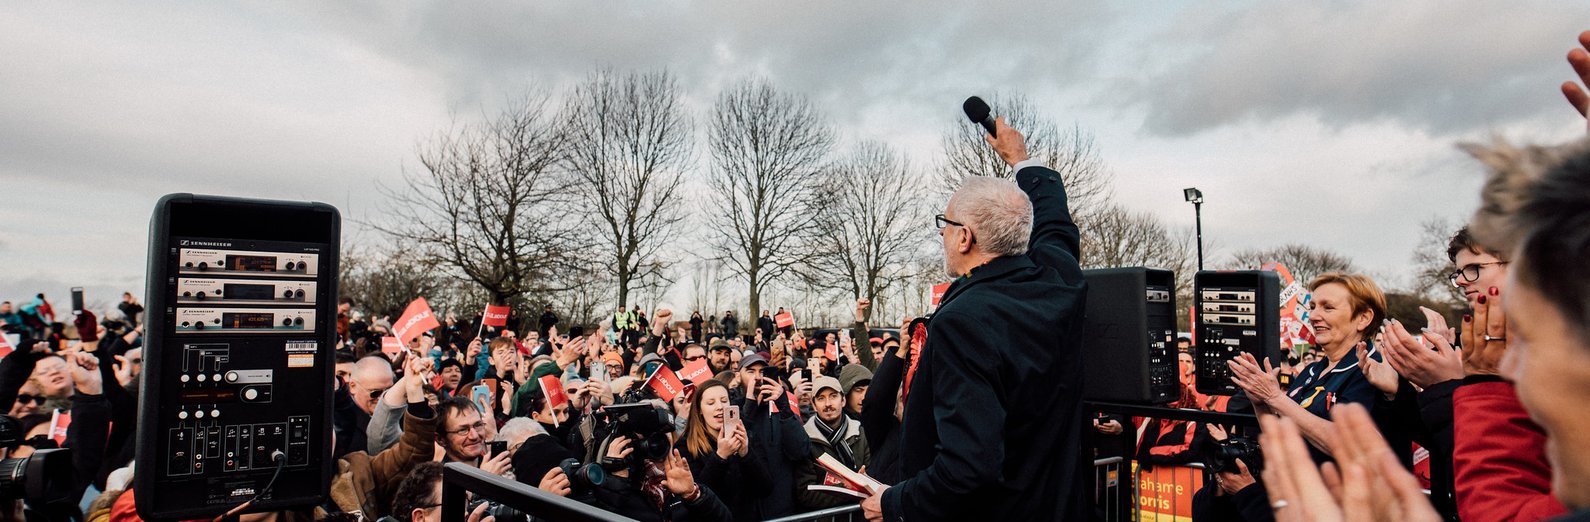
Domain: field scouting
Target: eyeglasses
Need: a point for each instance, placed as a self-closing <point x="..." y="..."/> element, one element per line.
<point x="942" y="221"/>
<point x="23" y="398"/>
<point x="1470" y="273"/>
<point x="695" y="358"/>
<point x="479" y="427"/>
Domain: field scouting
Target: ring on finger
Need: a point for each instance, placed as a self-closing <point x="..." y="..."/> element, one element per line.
<point x="1279" y="504"/>
<point x="1490" y="338"/>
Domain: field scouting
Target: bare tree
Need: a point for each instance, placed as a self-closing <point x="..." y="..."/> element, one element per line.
<point x="768" y="150"/>
<point x="1431" y="265"/>
<point x="705" y="289"/>
<point x="1305" y="262"/>
<point x="870" y="212"/>
<point x="1116" y="237"/>
<point x="628" y="145"/>
<point x="1069" y="151"/>
<point x="480" y="205"/>
<point x="383" y="282"/>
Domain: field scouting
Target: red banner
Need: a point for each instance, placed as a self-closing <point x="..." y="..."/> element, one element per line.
<point x="416" y="319"/>
<point x="495" y="315"/>
<point x="697" y="372"/>
<point x="391" y="346"/>
<point x="784" y="320"/>
<point x="665" y="383"/>
<point x="938" y="292"/>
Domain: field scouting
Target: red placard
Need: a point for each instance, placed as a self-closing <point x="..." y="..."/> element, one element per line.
<point x="697" y="372"/>
<point x="58" y="424"/>
<point x="938" y="292"/>
<point x="416" y="319"/>
<point x="391" y="346"/>
<point x="553" y="388"/>
<point x="5" y="345"/>
<point x="784" y="320"/>
<point x="495" y="315"/>
<point x="665" y="383"/>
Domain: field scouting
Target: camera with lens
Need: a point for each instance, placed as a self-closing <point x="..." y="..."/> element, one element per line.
<point x="645" y="424"/>
<point x="1223" y="455"/>
<point x="43" y="479"/>
<point x="501" y="512"/>
<point x="583" y="478"/>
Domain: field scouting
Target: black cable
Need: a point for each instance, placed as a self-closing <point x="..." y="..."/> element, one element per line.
<point x="281" y="462"/>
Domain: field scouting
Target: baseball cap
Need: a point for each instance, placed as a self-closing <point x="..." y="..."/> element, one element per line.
<point x="718" y="344"/>
<point x="827" y="382"/>
<point x="751" y="359"/>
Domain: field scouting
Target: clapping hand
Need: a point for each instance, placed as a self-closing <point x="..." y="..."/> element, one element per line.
<point x="1365" y="483"/>
<point x="1412" y="355"/>
<point x="1261" y="384"/>
<point x="1379" y="373"/>
<point x="1485" y="336"/>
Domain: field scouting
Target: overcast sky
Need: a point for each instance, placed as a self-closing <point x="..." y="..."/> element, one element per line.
<point x="1328" y="123"/>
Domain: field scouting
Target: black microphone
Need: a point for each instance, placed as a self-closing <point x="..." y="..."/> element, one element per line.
<point x="977" y="110"/>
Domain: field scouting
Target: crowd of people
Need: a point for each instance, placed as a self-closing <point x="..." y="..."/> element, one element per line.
<point x="1494" y="400"/>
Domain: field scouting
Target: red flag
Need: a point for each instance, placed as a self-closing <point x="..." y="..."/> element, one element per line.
<point x="5" y="345"/>
<point x="938" y="292"/>
<point x="665" y="383"/>
<point x="495" y="315"/>
<point x="832" y="351"/>
<point x="697" y="372"/>
<point x="553" y="389"/>
<point x="58" y="424"/>
<point x="784" y="320"/>
<point x="391" y="347"/>
<point x="416" y="319"/>
<point x="772" y="406"/>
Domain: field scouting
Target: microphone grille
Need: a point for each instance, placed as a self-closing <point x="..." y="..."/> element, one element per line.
<point x="976" y="109"/>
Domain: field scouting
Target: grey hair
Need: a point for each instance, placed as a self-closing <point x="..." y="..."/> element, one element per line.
<point x="998" y="213"/>
<point x="518" y="429"/>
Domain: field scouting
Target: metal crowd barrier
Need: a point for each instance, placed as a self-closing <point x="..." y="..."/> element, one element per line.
<point x="834" y="514"/>
<point x="459" y="479"/>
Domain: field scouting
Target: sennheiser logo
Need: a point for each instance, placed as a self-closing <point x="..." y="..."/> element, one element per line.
<point x="190" y="242"/>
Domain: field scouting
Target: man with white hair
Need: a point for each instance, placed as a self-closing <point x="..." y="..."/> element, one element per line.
<point x="993" y="408"/>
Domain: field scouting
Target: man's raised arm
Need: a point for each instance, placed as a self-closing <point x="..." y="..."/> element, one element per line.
<point x="1052" y="226"/>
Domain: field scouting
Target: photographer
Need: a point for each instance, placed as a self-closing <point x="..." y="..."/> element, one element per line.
<point x="646" y="488"/>
<point x="1236" y="494"/>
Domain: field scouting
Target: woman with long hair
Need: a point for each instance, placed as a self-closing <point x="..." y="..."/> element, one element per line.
<point x="719" y="452"/>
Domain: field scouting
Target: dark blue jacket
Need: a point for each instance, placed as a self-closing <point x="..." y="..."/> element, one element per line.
<point x="993" y="418"/>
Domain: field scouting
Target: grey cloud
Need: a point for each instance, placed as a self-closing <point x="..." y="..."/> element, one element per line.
<point x="1444" y="67"/>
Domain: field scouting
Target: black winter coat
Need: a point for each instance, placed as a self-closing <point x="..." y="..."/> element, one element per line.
<point x="993" y="418"/>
